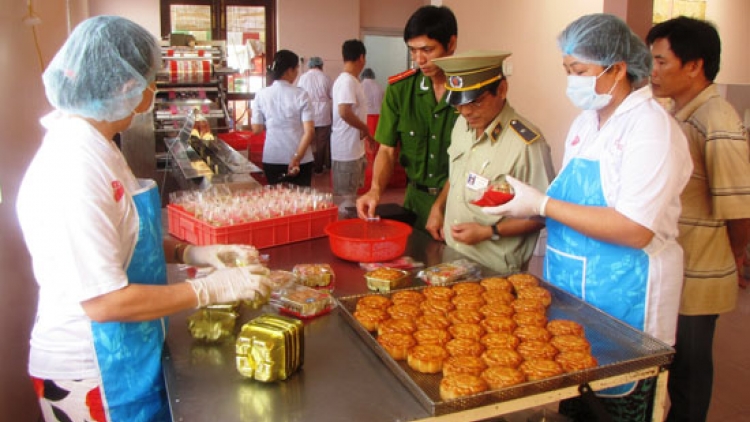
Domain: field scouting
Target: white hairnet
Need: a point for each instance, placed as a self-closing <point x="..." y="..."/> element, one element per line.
<point x="604" y="40"/>
<point x="102" y="69"/>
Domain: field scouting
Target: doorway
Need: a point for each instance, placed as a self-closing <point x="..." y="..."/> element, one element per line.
<point x="387" y="55"/>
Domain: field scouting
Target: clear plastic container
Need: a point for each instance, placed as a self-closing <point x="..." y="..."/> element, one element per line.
<point x="302" y="301"/>
<point x="449" y="272"/>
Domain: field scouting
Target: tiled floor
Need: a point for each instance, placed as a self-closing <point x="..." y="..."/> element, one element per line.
<point x="731" y="401"/>
<point x="731" y="398"/>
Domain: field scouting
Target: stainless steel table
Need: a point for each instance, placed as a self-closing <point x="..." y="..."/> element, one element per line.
<point x="342" y="378"/>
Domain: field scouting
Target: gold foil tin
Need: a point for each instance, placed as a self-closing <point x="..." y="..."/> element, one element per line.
<point x="226" y="307"/>
<point x="212" y="324"/>
<point x="270" y="348"/>
<point x="386" y="279"/>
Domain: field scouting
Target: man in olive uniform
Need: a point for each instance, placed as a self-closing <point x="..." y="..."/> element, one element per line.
<point x="489" y="141"/>
<point x="415" y="117"/>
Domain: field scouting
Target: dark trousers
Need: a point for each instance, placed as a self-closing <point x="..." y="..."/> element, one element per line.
<point x="635" y="407"/>
<point x="321" y="148"/>
<point x="277" y="173"/>
<point x="691" y="374"/>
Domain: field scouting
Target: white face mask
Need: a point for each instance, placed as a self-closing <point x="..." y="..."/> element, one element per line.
<point x="143" y="116"/>
<point x="582" y="92"/>
<point x="153" y="101"/>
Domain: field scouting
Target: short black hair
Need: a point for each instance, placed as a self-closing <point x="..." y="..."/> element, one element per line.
<point x="434" y="22"/>
<point x="368" y="73"/>
<point x="283" y="61"/>
<point x="691" y="39"/>
<point x="351" y="50"/>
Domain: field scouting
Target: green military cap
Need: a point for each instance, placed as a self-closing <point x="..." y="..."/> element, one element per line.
<point x="469" y="74"/>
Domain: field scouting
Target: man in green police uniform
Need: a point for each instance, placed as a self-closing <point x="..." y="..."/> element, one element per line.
<point x="415" y="117"/>
<point x="489" y="141"/>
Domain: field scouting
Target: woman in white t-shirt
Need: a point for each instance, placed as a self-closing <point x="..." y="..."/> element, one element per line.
<point x="612" y="211"/>
<point x="95" y="240"/>
<point x="285" y="112"/>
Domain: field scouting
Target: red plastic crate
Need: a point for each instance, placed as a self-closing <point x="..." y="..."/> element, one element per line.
<point x="261" y="234"/>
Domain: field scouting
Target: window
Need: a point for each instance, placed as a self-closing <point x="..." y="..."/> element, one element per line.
<point x="668" y="9"/>
<point x="247" y="27"/>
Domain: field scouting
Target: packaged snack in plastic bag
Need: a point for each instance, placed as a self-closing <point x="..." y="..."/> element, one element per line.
<point x="404" y="263"/>
<point x="495" y="195"/>
<point x="315" y="275"/>
<point x="448" y="272"/>
<point x="302" y="301"/>
<point x="280" y="278"/>
<point x="385" y="279"/>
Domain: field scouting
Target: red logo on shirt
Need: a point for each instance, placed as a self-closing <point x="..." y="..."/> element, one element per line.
<point x="576" y="140"/>
<point x="118" y="190"/>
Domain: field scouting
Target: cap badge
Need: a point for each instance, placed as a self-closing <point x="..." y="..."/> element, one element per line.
<point x="456" y="81"/>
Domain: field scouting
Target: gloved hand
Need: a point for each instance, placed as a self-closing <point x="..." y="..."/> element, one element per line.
<point x="229" y="285"/>
<point x="527" y="202"/>
<point x="220" y="256"/>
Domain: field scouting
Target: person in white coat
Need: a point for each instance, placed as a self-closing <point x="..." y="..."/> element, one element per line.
<point x="285" y="113"/>
<point x="96" y="243"/>
<point x="319" y="86"/>
<point x="612" y="210"/>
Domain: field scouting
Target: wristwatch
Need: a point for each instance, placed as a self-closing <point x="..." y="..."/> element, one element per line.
<point x="495" y="233"/>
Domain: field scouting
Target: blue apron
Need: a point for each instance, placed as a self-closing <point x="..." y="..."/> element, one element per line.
<point x="129" y="353"/>
<point x="611" y="277"/>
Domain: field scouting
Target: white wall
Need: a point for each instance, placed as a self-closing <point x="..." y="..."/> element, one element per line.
<point x="22" y="106"/>
<point x="145" y="12"/>
<point x="303" y="29"/>
<point x="529" y="30"/>
<point x="731" y="20"/>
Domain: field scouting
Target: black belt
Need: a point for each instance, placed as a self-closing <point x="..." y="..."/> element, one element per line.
<point x="426" y="189"/>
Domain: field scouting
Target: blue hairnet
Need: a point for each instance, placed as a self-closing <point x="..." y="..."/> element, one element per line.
<point x="315" y="61"/>
<point x="102" y="69"/>
<point x="604" y="40"/>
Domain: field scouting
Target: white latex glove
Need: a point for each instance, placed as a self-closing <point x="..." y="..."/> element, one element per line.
<point x="220" y="256"/>
<point x="229" y="285"/>
<point x="527" y="201"/>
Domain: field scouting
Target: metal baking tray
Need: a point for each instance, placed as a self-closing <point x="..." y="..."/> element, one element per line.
<point x="619" y="349"/>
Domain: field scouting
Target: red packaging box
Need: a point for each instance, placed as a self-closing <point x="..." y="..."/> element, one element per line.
<point x="261" y="234"/>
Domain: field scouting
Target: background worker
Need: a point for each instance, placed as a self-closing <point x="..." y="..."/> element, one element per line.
<point x="100" y="259"/>
<point x="715" y="220"/>
<point x="350" y="131"/>
<point x="285" y="112"/>
<point x="318" y="85"/>
<point x="374" y="94"/>
<point x="612" y="210"/>
<point x="416" y="118"/>
<point x="490" y="140"/>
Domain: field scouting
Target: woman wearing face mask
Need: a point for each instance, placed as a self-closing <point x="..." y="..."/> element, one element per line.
<point x="96" y="242"/>
<point x="612" y="210"/>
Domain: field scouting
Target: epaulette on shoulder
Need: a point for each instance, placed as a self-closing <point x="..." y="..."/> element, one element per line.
<point x="400" y="76"/>
<point x="527" y="134"/>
